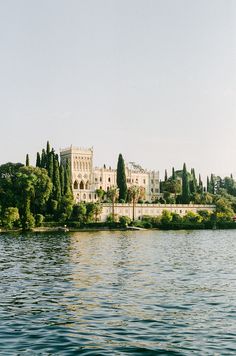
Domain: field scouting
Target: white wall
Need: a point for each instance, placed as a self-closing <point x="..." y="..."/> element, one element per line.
<point x="151" y="209"/>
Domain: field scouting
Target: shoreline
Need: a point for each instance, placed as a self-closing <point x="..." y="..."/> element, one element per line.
<point x="100" y="229"/>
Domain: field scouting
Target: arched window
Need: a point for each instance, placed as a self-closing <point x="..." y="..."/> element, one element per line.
<point x="81" y="186"/>
<point x="84" y="196"/>
<point x="90" y="196"/>
<point x="75" y="184"/>
<point x="87" y="185"/>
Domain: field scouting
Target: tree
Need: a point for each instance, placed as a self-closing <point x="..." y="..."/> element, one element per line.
<point x="193" y="182"/>
<point x="124" y="221"/>
<point x="27" y="160"/>
<point x="43" y="159"/>
<point x="79" y="212"/>
<point x="38" y="160"/>
<point x="62" y="179"/>
<point x="100" y="194"/>
<point x="11" y="215"/>
<point x="166" y="217"/>
<point x="121" y="179"/>
<point x="50" y="165"/>
<point x="33" y="188"/>
<point x="56" y="182"/>
<point x="166" y="175"/>
<point x="133" y="196"/>
<point x="8" y="181"/>
<point x="185" y="186"/>
<point x="200" y="185"/>
<point x="173" y="174"/>
<point x="67" y="178"/>
<point x="113" y="194"/>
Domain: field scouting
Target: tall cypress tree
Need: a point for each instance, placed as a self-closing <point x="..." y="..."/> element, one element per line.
<point x="193" y="182"/>
<point x="56" y="181"/>
<point x="50" y="166"/>
<point x="43" y="159"/>
<point x="208" y="185"/>
<point x="200" y="185"/>
<point x="67" y="179"/>
<point x="121" y="178"/>
<point x="185" y="186"/>
<point x="38" y="160"/>
<point x="27" y="160"/>
<point x="212" y="184"/>
<point x="173" y="174"/>
<point x="166" y="175"/>
<point x="62" y="179"/>
<point x="48" y="149"/>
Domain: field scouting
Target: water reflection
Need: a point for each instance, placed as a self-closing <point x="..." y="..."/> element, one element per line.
<point x="118" y="293"/>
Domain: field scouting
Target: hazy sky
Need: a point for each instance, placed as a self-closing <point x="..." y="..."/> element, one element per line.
<point x="152" y="79"/>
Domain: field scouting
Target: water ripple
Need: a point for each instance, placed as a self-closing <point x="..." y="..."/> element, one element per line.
<point x="111" y="293"/>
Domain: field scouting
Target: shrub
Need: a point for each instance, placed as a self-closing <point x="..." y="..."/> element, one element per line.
<point x="39" y="218"/>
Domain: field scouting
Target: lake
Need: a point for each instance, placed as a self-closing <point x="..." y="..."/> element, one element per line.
<point x="118" y="293"/>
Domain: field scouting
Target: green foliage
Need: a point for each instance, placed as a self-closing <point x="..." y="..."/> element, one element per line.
<point x="11" y="217"/>
<point x="39" y="218"/>
<point x="27" y="160"/>
<point x="192" y="217"/>
<point x="38" y="160"/>
<point x="100" y="194"/>
<point x="121" y="178"/>
<point x="56" y="181"/>
<point x="166" y="217"/>
<point x="124" y="221"/>
<point x="185" y="186"/>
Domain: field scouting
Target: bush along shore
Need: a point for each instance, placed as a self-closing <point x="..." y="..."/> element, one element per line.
<point x="41" y="197"/>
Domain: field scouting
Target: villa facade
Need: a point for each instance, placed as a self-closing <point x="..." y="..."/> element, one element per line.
<point x="86" y="178"/>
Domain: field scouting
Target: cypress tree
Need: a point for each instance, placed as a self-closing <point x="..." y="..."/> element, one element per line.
<point x="48" y="149"/>
<point x="200" y="184"/>
<point x="121" y="179"/>
<point x="185" y="186"/>
<point x="50" y="166"/>
<point x="67" y="179"/>
<point x="62" y="179"/>
<point x="212" y="184"/>
<point x="43" y="159"/>
<point x="193" y="183"/>
<point x="208" y="185"/>
<point x="173" y="174"/>
<point x="56" y="182"/>
<point x="166" y="175"/>
<point x="27" y="160"/>
<point x="38" y="160"/>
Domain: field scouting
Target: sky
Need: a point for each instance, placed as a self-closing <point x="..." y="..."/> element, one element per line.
<point x="151" y="79"/>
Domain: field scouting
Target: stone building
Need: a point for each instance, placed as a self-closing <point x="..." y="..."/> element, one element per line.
<point x="86" y="178"/>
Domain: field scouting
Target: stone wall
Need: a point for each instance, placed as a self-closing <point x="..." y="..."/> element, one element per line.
<point x="151" y="209"/>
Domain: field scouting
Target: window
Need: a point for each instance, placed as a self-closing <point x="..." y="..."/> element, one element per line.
<point x="96" y="179"/>
<point x="76" y="185"/>
<point x="144" y="181"/>
<point x="81" y="186"/>
<point x="100" y="179"/>
<point x="109" y="179"/>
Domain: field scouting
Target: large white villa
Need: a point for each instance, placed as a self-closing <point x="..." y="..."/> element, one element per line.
<point x="86" y="178"/>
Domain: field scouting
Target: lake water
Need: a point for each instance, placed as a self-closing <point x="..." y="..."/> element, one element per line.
<point x="118" y="293"/>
